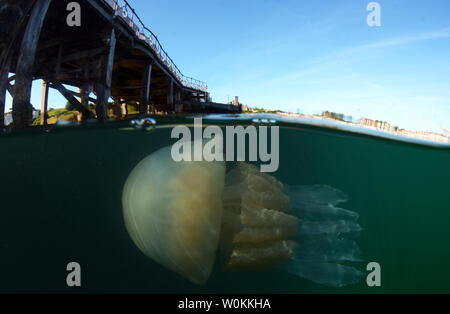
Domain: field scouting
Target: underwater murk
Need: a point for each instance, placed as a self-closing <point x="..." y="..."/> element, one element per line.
<point x="110" y="198"/>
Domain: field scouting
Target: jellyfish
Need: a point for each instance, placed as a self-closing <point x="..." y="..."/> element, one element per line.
<point x="182" y="214"/>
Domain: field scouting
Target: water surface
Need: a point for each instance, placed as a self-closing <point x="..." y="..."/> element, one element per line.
<point x="61" y="202"/>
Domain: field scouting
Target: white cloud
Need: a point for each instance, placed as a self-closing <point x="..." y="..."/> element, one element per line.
<point x="442" y="33"/>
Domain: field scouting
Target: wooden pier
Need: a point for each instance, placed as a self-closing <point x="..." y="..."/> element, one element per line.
<point x="112" y="55"/>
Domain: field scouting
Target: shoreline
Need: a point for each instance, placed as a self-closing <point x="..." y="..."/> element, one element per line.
<point x="417" y="135"/>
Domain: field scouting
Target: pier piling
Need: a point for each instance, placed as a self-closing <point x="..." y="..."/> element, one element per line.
<point x="44" y="104"/>
<point x="25" y="64"/>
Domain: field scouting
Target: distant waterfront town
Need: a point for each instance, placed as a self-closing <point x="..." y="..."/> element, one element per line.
<point x="363" y="122"/>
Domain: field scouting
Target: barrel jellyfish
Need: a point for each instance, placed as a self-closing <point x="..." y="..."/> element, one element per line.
<point x="182" y="214"/>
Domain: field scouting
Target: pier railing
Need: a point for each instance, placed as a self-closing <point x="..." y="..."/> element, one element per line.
<point x="127" y="13"/>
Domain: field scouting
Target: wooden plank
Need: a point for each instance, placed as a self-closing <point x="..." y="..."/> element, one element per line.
<point x="132" y="63"/>
<point x="24" y="72"/>
<point x="47" y="73"/>
<point x="84" y="54"/>
<point x="52" y="43"/>
<point x="75" y="56"/>
<point x="44" y="103"/>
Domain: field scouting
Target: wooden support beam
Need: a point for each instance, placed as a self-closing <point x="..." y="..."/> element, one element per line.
<point x="75" y="57"/>
<point x="144" y="104"/>
<point x="161" y="65"/>
<point x="80" y="96"/>
<point x="59" y="60"/>
<point x="127" y="73"/>
<point x="54" y="42"/>
<point x="132" y="63"/>
<point x="44" y="103"/>
<point x="117" y="109"/>
<point x="8" y="50"/>
<point x="84" y="93"/>
<point x="24" y="72"/>
<point x="178" y="103"/>
<point x="103" y="87"/>
<point x="10" y="89"/>
<point x="3" y="84"/>
<point x="124" y="110"/>
<point x="130" y="87"/>
<point x="65" y="74"/>
<point x="70" y="98"/>
<point x="102" y="101"/>
<point x="80" y="55"/>
<point x="171" y="99"/>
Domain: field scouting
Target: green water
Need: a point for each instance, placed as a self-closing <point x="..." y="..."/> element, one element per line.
<point x="61" y="202"/>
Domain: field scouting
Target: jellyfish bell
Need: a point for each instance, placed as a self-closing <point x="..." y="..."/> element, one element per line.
<point x="181" y="214"/>
<point x="173" y="212"/>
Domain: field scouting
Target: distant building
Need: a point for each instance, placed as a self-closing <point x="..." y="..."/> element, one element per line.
<point x="9" y="118"/>
<point x="430" y="136"/>
<point x="383" y="125"/>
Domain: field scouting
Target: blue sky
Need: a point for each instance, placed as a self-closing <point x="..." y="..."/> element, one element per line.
<point x="310" y="56"/>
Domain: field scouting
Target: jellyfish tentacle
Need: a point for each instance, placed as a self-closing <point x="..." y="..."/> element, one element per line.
<point x="339" y="227"/>
<point x="314" y="212"/>
<point x="318" y="202"/>
<point x="325" y="233"/>
<point x="320" y="194"/>
<point x="265" y="221"/>
<point x="329" y="274"/>
<point x="327" y="249"/>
